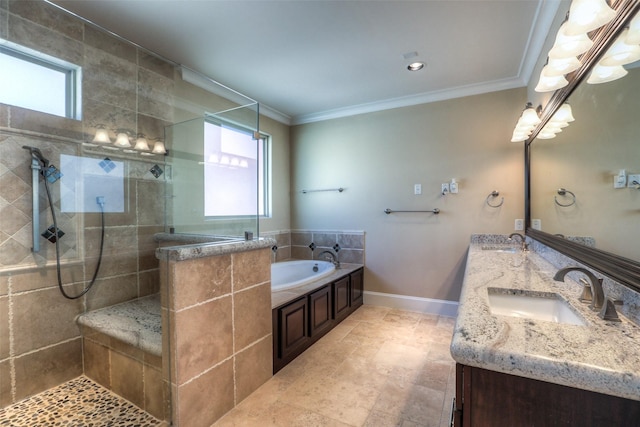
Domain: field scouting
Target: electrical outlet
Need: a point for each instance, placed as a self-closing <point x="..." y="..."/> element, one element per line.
<point x="633" y="178"/>
<point x="445" y="188"/>
<point x="519" y="225"/>
<point x="620" y="180"/>
<point x="417" y="189"/>
<point x="453" y="187"/>
<point x="536" y="224"/>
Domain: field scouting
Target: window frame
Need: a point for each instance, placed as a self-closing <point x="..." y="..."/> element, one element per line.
<point x="72" y="75"/>
<point x="266" y="169"/>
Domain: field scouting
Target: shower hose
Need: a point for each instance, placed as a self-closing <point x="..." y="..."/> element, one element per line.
<point x="55" y="226"/>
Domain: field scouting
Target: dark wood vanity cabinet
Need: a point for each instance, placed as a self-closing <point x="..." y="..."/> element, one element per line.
<point x="489" y="398"/>
<point x="300" y="323"/>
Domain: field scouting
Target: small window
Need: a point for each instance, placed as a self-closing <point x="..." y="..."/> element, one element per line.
<point x="233" y="160"/>
<point x="36" y="81"/>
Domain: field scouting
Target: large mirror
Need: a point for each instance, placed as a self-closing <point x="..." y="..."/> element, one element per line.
<point x="591" y="220"/>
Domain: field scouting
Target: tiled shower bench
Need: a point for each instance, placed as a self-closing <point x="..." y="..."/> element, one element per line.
<point x="122" y="351"/>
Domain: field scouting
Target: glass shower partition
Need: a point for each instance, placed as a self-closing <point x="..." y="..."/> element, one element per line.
<point x="214" y="179"/>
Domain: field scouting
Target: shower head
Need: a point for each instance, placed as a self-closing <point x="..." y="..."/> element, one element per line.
<point x="37" y="154"/>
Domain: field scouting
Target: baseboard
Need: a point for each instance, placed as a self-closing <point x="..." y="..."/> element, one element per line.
<point x="422" y="305"/>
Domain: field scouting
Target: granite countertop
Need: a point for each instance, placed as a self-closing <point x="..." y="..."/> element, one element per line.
<point x="602" y="356"/>
<point x="284" y="296"/>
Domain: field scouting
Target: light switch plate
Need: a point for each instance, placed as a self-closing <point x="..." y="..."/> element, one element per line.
<point x="633" y="178"/>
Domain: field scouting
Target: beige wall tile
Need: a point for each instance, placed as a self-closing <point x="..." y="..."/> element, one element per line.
<point x="149" y="282"/>
<point x="43" y="369"/>
<point x="205" y="399"/>
<point x="299" y="238"/>
<point x="251" y="268"/>
<point x="252" y="315"/>
<point x="155" y="64"/>
<point x="50" y="17"/>
<point x="110" y="79"/>
<point x="199" y="280"/>
<point x="127" y="379"/>
<point x="153" y="392"/>
<point x="254" y="366"/>
<point x="112" y="291"/>
<point x="351" y="241"/>
<point x="5" y="384"/>
<point x="203" y="337"/>
<point x="43" y="318"/>
<point x="97" y="363"/>
<point x="106" y="42"/>
<point x="326" y="240"/>
<point x="4" y="327"/>
<point x="4" y="285"/>
<point x="45" y="277"/>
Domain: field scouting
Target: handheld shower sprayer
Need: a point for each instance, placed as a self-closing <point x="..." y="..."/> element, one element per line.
<point x="37" y="155"/>
<point x="39" y="166"/>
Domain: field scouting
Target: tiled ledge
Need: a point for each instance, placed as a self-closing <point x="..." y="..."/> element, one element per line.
<point x="206" y="249"/>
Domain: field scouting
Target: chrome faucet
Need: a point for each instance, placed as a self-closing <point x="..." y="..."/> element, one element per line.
<point x="525" y="247"/>
<point x="596" y="285"/>
<point x="333" y="258"/>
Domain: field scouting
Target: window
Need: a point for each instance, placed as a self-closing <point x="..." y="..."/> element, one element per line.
<point x="236" y="172"/>
<point x="36" y="81"/>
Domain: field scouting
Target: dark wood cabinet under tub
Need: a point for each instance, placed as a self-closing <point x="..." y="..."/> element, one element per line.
<point x="299" y="323"/>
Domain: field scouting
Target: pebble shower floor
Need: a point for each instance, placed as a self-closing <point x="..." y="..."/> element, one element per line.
<point x="76" y="403"/>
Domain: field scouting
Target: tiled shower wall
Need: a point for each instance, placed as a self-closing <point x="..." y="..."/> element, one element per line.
<point x="308" y="244"/>
<point x="123" y="87"/>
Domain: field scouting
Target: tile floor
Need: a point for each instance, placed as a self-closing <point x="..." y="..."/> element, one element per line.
<point x="379" y="367"/>
<point x="76" y="403"/>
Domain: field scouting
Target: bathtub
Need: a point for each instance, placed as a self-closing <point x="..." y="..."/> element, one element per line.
<point x="289" y="274"/>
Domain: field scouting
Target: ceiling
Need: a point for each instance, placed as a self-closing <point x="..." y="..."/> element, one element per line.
<point x="309" y="60"/>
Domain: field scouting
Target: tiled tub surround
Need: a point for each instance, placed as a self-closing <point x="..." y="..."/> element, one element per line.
<point x="602" y="356"/>
<point x="122" y="349"/>
<point x="349" y="245"/>
<point x="216" y="307"/>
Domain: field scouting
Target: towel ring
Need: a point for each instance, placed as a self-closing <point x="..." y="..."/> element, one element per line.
<point x="564" y="192"/>
<point x="494" y="193"/>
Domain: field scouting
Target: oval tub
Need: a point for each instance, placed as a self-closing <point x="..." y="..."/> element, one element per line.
<point x="289" y="274"/>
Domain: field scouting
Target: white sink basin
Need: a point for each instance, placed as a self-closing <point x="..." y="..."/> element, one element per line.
<point x="508" y="249"/>
<point x="533" y="305"/>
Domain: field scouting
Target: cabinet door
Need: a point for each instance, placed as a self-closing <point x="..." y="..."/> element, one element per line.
<point x="292" y="320"/>
<point x="357" y="288"/>
<point x="341" y="294"/>
<point x="320" y="310"/>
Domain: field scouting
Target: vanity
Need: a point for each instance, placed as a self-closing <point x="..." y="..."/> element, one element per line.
<point x="517" y="366"/>
<point x="520" y="371"/>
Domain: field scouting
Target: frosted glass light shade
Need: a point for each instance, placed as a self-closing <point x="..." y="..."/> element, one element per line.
<point x="549" y="83"/>
<point x="529" y="117"/>
<point x="602" y="74"/>
<point x="101" y="136"/>
<point x="158" y="148"/>
<point x="519" y="137"/>
<point x="621" y="53"/>
<point x="562" y="117"/>
<point x="546" y="134"/>
<point x="567" y="46"/>
<point x="633" y="36"/>
<point x="561" y="66"/>
<point x="588" y="15"/>
<point x="141" y="143"/>
<point x="122" y="140"/>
